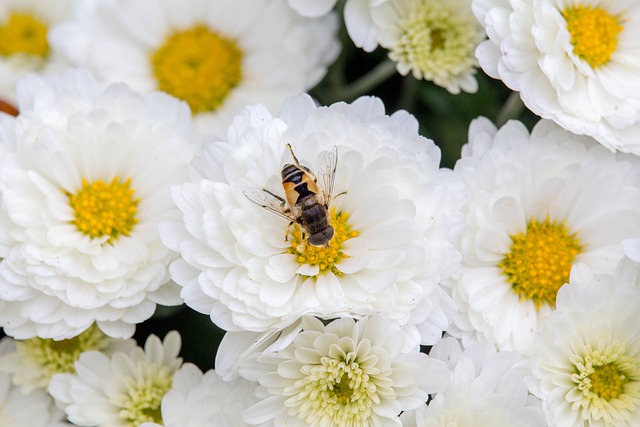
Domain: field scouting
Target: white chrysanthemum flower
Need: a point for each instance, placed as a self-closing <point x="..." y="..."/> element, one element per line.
<point x="347" y="373"/>
<point x="431" y="39"/>
<point x="121" y="390"/>
<point x="24" y="48"/>
<point x="205" y="400"/>
<point x="539" y="203"/>
<point x="573" y="61"/>
<point x="392" y="212"/>
<point x="34" y="361"/>
<point x="586" y="362"/>
<point x="33" y="409"/>
<point x="486" y="388"/>
<point x="85" y="180"/>
<point x="216" y="55"/>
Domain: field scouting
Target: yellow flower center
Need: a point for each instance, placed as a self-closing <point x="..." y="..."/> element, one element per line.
<point x="325" y="257"/>
<point x="198" y="66"/>
<point x="142" y="399"/>
<point x="436" y="41"/>
<point x="607" y="381"/>
<point x="594" y="33"/>
<point x="55" y="357"/>
<point x="605" y="374"/>
<point x="539" y="261"/>
<point x="23" y="33"/>
<point x="102" y="209"/>
<point x="338" y="391"/>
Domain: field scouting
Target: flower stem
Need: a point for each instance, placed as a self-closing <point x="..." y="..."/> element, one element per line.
<point x="373" y="78"/>
<point x="511" y="109"/>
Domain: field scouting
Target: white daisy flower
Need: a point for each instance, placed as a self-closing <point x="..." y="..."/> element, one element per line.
<point x="539" y="203"/>
<point x="34" y="361"/>
<point x="573" y="61"/>
<point x="432" y="40"/>
<point x="485" y="388"/>
<point x="391" y="212"/>
<point x="33" y="409"/>
<point x="24" y="45"/>
<point x="216" y="55"/>
<point x="85" y="180"/>
<point x="586" y="362"/>
<point x="201" y="400"/>
<point x="347" y="373"/>
<point x="121" y="390"/>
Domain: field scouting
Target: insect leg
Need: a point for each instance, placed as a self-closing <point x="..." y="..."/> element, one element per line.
<point x="304" y="168"/>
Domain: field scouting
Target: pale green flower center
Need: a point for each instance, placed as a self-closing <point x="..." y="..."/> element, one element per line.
<point x="55" y="357"/>
<point x="325" y="257"/>
<point x="104" y="209"/>
<point x="340" y="391"/>
<point x="436" y="41"/>
<point x="608" y="381"/>
<point x="594" y="33"/>
<point x="143" y="399"/>
<point x="198" y="66"/>
<point x="23" y="34"/>
<point x="539" y="260"/>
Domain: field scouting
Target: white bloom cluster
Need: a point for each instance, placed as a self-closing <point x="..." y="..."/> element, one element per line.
<point x="391" y="210"/>
<point x="85" y="181"/>
<point x="346" y="373"/>
<point x="433" y="40"/>
<point x="393" y="215"/>
<point x="200" y="400"/>
<point x="232" y="158"/>
<point x="539" y="203"/>
<point x="216" y="55"/>
<point x="574" y="62"/>
<point x="485" y="388"/>
<point x="24" y="47"/>
<point x="34" y="408"/>
<point x="124" y="389"/>
<point x="586" y="362"/>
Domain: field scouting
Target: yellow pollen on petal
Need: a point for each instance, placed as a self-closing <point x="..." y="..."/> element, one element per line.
<point x="594" y="33"/>
<point x="23" y="34"/>
<point x="325" y="257"/>
<point x="539" y="261"/>
<point x="104" y="209"/>
<point x="198" y="66"/>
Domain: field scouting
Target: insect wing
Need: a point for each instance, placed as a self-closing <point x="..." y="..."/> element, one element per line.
<point x="269" y="201"/>
<point x="327" y="172"/>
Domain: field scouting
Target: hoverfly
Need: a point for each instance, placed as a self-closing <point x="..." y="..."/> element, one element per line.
<point x="306" y="203"/>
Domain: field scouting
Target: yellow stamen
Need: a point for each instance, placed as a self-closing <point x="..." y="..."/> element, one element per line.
<point x="23" y="33"/>
<point x="594" y="33"/>
<point x="142" y="397"/>
<point x="325" y="257"/>
<point x="603" y="374"/>
<point x="539" y="261"/>
<point x="607" y="381"/>
<point x="338" y="389"/>
<point x="198" y="66"/>
<point x="102" y="209"/>
<point x="56" y="357"/>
